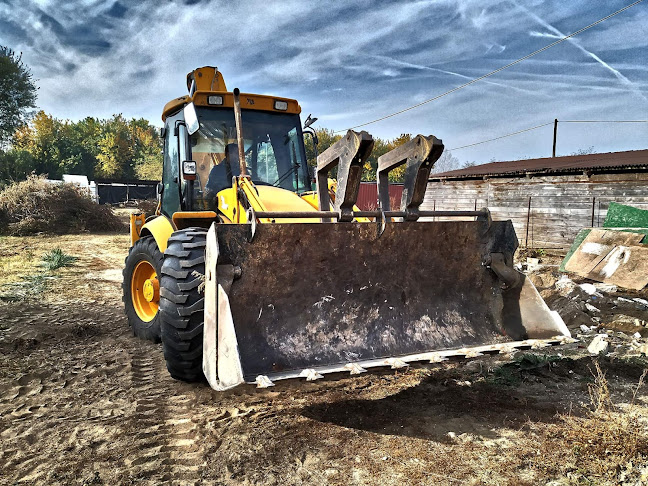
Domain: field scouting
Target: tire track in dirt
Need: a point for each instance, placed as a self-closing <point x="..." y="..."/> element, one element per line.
<point x="87" y="398"/>
<point x="66" y="404"/>
<point x="21" y="407"/>
<point x="167" y="442"/>
<point x="46" y="422"/>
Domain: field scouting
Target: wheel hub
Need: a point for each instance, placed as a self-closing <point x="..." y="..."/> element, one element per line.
<point x="151" y="290"/>
<point x="145" y="291"/>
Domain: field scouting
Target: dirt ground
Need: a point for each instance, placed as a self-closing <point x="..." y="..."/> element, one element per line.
<point x="84" y="402"/>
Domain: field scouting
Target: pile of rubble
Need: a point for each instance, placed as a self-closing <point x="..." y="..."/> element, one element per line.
<point x="612" y="320"/>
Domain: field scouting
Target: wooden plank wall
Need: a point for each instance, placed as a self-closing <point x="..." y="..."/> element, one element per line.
<point x="560" y="205"/>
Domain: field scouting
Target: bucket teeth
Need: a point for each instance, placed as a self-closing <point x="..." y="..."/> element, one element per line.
<point x="262" y="381"/>
<point x="396" y="363"/>
<point x="437" y="358"/>
<point x="540" y="345"/>
<point x="469" y="353"/>
<point x="310" y="374"/>
<point x="565" y="339"/>
<point x="507" y="349"/>
<point x="354" y="368"/>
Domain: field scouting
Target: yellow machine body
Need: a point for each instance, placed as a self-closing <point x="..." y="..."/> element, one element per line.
<point x="261" y="283"/>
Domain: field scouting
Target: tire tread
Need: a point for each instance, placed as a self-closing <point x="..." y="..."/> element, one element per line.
<point x="181" y="304"/>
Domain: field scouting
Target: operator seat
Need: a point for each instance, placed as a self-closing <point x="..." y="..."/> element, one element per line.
<point x="220" y="176"/>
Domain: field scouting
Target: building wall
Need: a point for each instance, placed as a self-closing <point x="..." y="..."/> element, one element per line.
<point x="560" y="206"/>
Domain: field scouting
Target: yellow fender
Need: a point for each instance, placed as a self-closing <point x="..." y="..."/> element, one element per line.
<point x="160" y="228"/>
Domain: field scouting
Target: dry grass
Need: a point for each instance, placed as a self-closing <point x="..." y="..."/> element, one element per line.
<point x="15" y="258"/>
<point x="595" y="447"/>
<point x="36" y="206"/>
<point x="394" y="202"/>
<point x="31" y="285"/>
<point x="93" y="275"/>
<point x="608" y="435"/>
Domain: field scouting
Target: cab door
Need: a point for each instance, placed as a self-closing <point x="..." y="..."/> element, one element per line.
<point x="171" y="169"/>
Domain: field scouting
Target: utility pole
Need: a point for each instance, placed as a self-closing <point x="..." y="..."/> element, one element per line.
<point x="553" y="153"/>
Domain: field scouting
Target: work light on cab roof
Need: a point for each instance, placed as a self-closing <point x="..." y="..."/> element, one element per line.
<point x="207" y="87"/>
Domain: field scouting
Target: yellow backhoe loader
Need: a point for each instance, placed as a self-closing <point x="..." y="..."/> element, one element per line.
<point x="249" y="274"/>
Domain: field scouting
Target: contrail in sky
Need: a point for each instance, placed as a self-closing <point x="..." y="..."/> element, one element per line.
<point x="559" y="35"/>
<point x="444" y="71"/>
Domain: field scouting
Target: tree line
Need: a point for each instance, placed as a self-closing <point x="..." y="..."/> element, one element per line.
<point x="327" y="137"/>
<point x="114" y="148"/>
<point x="35" y="142"/>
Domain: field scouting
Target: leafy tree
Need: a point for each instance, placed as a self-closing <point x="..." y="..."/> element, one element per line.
<point x="147" y="150"/>
<point x="129" y="149"/>
<point x="56" y="147"/>
<point x="381" y="147"/>
<point x="325" y="137"/>
<point x="398" y="174"/>
<point x="115" y="157"/>
<point x="85" y="135"/>
<point x="15" y="165"/>
<point x="17" y="94"/>
<point x="328" y="137"/>
<point x="42" y="139"/>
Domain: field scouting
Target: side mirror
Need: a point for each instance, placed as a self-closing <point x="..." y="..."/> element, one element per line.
<point x="159" y="188"/>
<point x="162" y="132"/>
<point x="191" y="118"/>
<point x="309" y="121"/>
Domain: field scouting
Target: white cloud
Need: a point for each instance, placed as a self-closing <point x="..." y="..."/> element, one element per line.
<point x="346" y="62"/>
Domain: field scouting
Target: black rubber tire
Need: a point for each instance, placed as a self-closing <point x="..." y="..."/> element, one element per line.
<point x="144" y="249"/>
<point x="182" y="305"/>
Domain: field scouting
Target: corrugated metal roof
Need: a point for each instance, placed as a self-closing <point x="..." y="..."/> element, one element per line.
<point x="571" y="163"/>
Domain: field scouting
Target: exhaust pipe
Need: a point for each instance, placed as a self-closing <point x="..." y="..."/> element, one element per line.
<point x="239" y="131"/>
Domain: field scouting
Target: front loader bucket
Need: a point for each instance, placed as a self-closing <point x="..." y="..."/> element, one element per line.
<point x="307" y="299"/>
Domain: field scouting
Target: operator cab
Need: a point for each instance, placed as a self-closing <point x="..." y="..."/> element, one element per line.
<point x="202" y="128"/>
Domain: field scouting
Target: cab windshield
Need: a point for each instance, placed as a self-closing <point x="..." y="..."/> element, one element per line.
<point x="274" y="151"/>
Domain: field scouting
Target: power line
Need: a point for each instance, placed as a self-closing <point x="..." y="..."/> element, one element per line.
<point x="496" y="71"/>
<point x="503" y="136"/>
<point x="544" y="125"/>
<point x="603" y="121"/>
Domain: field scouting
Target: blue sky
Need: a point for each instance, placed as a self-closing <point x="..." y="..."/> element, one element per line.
<point x="350" y="62"/>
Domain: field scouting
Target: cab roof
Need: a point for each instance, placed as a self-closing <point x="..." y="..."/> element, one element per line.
<point x="207" y="87"/>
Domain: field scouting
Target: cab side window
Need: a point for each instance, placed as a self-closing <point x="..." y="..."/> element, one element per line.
<point x="170" y="173"/>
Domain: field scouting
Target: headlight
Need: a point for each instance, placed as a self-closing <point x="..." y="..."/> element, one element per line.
<point x="281" y="105"/>
<point x="215" y="100"/>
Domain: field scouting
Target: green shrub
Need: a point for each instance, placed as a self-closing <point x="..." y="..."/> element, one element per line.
<point x="57" y="259"/>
